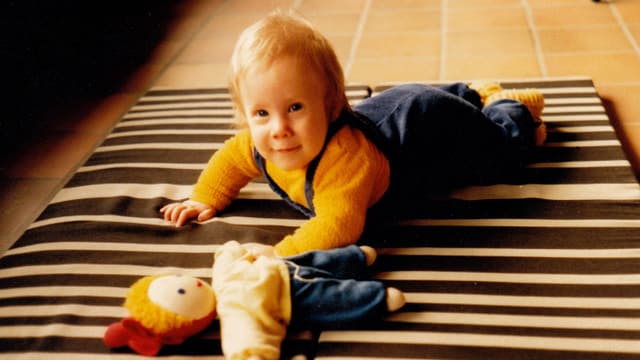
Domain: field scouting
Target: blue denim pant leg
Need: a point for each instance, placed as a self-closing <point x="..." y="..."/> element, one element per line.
<point x="441" y="136"/>
<point x="324" y="296"/>
<point x="347" y="262"/>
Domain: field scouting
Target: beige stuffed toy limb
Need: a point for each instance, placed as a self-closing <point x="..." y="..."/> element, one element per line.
<point x="259" y="294"/>
<point x="254" y="305"/>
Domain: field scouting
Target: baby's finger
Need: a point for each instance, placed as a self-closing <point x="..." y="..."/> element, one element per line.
<point x="205" y="215"/>
<point x="176" y="212"/>
<point x="169" y="211"/>
<point x="185" y="215"/>
<point x="168" y="207"/>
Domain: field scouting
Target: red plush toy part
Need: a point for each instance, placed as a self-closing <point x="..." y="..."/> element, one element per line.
<point x="129" y="332"/>
<point x="164" y="310"/>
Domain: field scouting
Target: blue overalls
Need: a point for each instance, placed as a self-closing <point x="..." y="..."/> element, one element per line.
<point x="434" y="137"/>
<point x="442" y="137"/>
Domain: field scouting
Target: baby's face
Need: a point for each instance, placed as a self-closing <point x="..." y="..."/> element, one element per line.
<point x="284" y="104"/>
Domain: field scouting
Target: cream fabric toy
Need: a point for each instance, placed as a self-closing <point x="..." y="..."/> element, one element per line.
<point x="259" y="294"/>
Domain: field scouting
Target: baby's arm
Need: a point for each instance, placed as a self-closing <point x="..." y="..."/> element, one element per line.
<point x="228" y="170"/>
<point x="327" y="230"/>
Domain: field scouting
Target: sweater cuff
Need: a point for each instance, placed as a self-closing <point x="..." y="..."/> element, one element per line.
<point x="218" y="201"/>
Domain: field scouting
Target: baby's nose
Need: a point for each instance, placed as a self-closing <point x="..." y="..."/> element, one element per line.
<point x="280" y="126"/>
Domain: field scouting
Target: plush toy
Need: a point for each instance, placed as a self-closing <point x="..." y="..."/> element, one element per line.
<point x="164" y="309"/>
<point x="256" y="296"/>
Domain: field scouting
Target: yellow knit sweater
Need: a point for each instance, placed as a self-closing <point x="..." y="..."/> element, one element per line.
<point x="352" y="175"/>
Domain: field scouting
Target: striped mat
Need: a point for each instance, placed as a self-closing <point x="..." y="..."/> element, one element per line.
<point x="544" y="265"/>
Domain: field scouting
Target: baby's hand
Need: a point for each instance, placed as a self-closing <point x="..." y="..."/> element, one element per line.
<point x="178" y="213"/>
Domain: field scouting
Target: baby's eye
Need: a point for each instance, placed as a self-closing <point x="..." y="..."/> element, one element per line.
<point x="262" y="113"/>
<point x="295" y="107"/>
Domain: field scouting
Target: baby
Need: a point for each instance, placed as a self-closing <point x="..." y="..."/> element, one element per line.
<point x="336" y="164"/>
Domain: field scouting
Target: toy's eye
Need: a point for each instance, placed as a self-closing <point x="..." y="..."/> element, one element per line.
<point x="183" y="295"/>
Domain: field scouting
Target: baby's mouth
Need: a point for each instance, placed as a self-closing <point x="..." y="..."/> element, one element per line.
<point x="287" y="149"/>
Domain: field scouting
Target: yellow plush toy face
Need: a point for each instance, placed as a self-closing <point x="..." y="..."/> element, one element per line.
<point x="168" y="302"/>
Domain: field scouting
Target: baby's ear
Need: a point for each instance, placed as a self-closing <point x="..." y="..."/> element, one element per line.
<point x="331" y="108"/>
<point x="334" y="113"/>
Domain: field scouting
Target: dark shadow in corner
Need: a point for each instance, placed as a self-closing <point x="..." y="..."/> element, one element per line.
<point x="65" y="53"/>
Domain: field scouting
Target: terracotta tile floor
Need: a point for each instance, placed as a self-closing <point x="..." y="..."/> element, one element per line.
<point x="376" y="40"/>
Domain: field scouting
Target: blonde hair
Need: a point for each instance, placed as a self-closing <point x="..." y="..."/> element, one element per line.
<point x="287" y="34"/>
<point x="150" y="315"/>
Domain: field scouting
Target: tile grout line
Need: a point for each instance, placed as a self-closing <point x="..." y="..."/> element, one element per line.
<point x="623" y="26"/>
<point x="356" y="39"/>
<point x="443" y="38"/>
<point x="536" y="40"/>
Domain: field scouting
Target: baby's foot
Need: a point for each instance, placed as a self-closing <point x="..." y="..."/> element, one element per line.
<point x="395" y="299"/>
<point x="534" y="101"/>
<point x="370" y="254"/>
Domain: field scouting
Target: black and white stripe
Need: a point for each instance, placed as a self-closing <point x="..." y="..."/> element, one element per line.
<point x="543" y="265"/>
